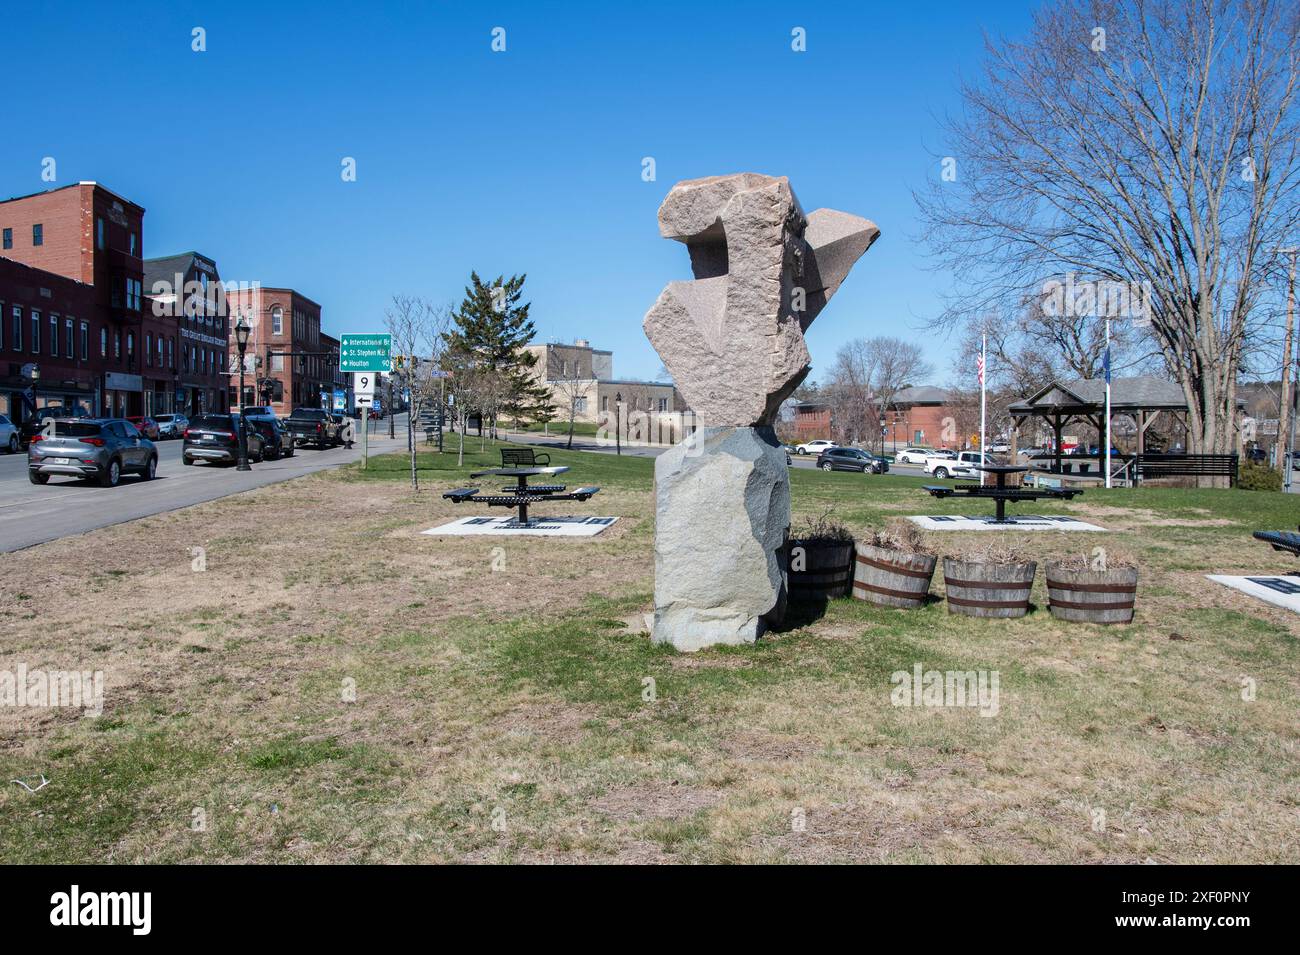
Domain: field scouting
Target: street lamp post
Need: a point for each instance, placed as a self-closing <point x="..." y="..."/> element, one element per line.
<point x="618" y="414"/>
<point x="241" y="340"/>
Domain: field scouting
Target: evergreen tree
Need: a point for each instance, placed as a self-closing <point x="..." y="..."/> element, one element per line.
<point x="490" y="329"/>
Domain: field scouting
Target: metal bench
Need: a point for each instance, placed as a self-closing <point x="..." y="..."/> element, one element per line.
<point x="1286" y="541"/>
<point x="523" y="458"/>
<point x="536" y="488"/>
<point x="460" y="494"/>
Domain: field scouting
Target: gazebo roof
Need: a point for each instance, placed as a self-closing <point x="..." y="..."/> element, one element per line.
<point x="1088" y="396"/>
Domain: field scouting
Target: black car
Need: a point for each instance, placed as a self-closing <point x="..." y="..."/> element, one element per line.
<point x="851" y="459"/>
<point x="277" y="440"/>
<point x="34" y="424"/>
<point x="313" y="426"/>
<point x="215" y="437"/>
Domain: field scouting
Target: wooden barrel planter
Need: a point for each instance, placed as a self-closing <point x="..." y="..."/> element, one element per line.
<point x="988" y="590"/>
<point x="827" y="570"/>
<point x="1092" y="596"/>
<point x="892" y="578"/>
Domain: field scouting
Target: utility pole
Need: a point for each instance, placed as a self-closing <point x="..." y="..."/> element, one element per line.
<point x="390" y="402"/>
<point x="1285" y="419"/>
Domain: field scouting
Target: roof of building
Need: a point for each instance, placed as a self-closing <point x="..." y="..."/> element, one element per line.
<point x="1144" y="392"/>
<point x="921" y="395"/>
<point x="164" y="268"/>
<point x="73" y="185"/>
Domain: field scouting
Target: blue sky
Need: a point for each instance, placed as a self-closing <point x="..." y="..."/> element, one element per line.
<point x="522" y="161"/>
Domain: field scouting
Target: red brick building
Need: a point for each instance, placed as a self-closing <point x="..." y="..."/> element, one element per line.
<point x="71" y="286"/>
<point x="187" y="335"/>
<point x="918" y="415"/>
<point x="812" y="420"/>
<point x="282" y="320"/>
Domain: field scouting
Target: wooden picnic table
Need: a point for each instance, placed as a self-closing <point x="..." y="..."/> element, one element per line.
<point x="521" y="493"/>
<point x="999" y="491"/>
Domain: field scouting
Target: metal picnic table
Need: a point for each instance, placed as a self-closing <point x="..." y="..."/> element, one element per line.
<point x="521" y="494"/>
<point x="1000" y="492"/>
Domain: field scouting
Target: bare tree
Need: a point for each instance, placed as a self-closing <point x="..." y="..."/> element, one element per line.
<point x="849" y="389"/>
<point x="1151" y="143"/>
<point x="570" y="386"/>
<point x="417" y="328"/>
<point x="898" y="364"/>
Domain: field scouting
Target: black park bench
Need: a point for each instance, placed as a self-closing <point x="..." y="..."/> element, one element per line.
<point x="523" y="458"/>
<point x="1285" y="541"/>
<point x="522" y="494"/>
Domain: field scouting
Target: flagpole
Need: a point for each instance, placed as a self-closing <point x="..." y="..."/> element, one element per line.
<point x="984" y="356"/>
<point x="1108" y="484"/>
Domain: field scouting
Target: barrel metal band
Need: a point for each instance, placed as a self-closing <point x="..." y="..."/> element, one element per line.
<point x="1093" y="588"/>
<point x="967" y="602"/>
<point x="989" y="584"/>
<point x="894" y="568"/>
<point x="889" y="592"/>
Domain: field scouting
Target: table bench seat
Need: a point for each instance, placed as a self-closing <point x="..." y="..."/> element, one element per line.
<point x="460" y="494"/>
<point x="536" y="489"/>
<point x="1287" y="541"/>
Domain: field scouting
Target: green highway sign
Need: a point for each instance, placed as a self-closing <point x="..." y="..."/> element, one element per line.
<point x="366" y="352"/>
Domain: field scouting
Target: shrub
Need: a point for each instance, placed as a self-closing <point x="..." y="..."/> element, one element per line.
<point x="1258" y="477"/>
<point x="822" y="528"/>
<point x="901" y="535"/>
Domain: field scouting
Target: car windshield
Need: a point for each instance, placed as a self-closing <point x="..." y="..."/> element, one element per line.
<point x="315" y="413"/>
<point x="75" y="429"/>
<point x="213" y="421"/>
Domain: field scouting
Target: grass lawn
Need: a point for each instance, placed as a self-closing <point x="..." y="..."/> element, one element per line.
<point x="337" y="687"/>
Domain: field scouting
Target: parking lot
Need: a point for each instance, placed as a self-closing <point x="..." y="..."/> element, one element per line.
<point x="32" y="514"/>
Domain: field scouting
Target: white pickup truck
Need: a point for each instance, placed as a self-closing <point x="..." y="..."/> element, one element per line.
<point x="964" y="465"/>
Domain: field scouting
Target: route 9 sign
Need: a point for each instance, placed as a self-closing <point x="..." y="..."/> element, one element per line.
<point x="363" y="384"/>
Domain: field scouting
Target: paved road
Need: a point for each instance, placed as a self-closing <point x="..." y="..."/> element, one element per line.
<point x="32" y="514"/>
<point x="588" y="444"/>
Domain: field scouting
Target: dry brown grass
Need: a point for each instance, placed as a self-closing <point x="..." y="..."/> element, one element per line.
<point x="499" y="716"/>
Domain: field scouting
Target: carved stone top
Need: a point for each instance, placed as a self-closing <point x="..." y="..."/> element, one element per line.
<point x="733" y="338"/>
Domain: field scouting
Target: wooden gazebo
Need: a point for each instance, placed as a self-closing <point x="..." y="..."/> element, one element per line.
<point x="1084" y="399"/>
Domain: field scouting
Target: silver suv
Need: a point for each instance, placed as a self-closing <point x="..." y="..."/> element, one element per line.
<point x="99" y="448"/>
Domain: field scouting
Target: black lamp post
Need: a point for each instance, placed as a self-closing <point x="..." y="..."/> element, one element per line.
<point x="618" y="431"/>
<point x="241" y="340"/>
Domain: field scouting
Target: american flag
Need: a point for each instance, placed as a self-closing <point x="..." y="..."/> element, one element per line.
<point x="979" y="364"/>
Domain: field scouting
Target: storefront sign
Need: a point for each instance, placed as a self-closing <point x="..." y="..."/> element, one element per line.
<point x="116" y="381"/>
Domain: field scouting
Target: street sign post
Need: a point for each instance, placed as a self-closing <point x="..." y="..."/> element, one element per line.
<point x="365" y="352"/>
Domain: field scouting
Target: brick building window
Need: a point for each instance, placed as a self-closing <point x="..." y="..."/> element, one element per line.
<point x="38" y="234"/>
<point x="171" y="354"/>
<point x="663" y="404"/>
<point x="117" y="345"/>
<point x="85" y="341"/>
<point x="103" y="342"/>
<point x="160" y="351"/>
<point x="17" y="343"/>
<point x="36" y="332"/>
<point x="69" y="345"/>
<point x="277" y="321"/>
<point x="9" y="238"/>
<point x="54" y="336"/>
<point x="148" y="349"/>
<point x="99" y="233"/>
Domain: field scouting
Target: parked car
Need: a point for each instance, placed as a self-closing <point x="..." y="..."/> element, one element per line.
<point x="1033" y="452"/>
<point x="277" y="440"/>
<point x="965" y="464"/>
<point x="215" y="438"/>
<point x="51" y="413"/>
<point x="147" y="426"/>
<point x="914" y="455"/>
<point x="171" y="425"/>
<point x="9" y="439"/>
<point x="258" y="410"/>
<point x="313" y="426"/>
<point x="99" y="448"/>
<point x="816" y="446"/>
<point x="851" y="459"/>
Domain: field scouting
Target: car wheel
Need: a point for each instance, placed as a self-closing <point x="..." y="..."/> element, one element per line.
<point x="827" y="466"/>
<point x="112" y="474"/>
<point x="37" y="478"/>
<point x="150" y="469"/>
<point x="188" y="462"/>
<point x="941" y="473"/>
<point x="13" y="444"/>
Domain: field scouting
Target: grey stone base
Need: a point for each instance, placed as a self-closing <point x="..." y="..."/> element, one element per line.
<point x="722" y="512"/>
